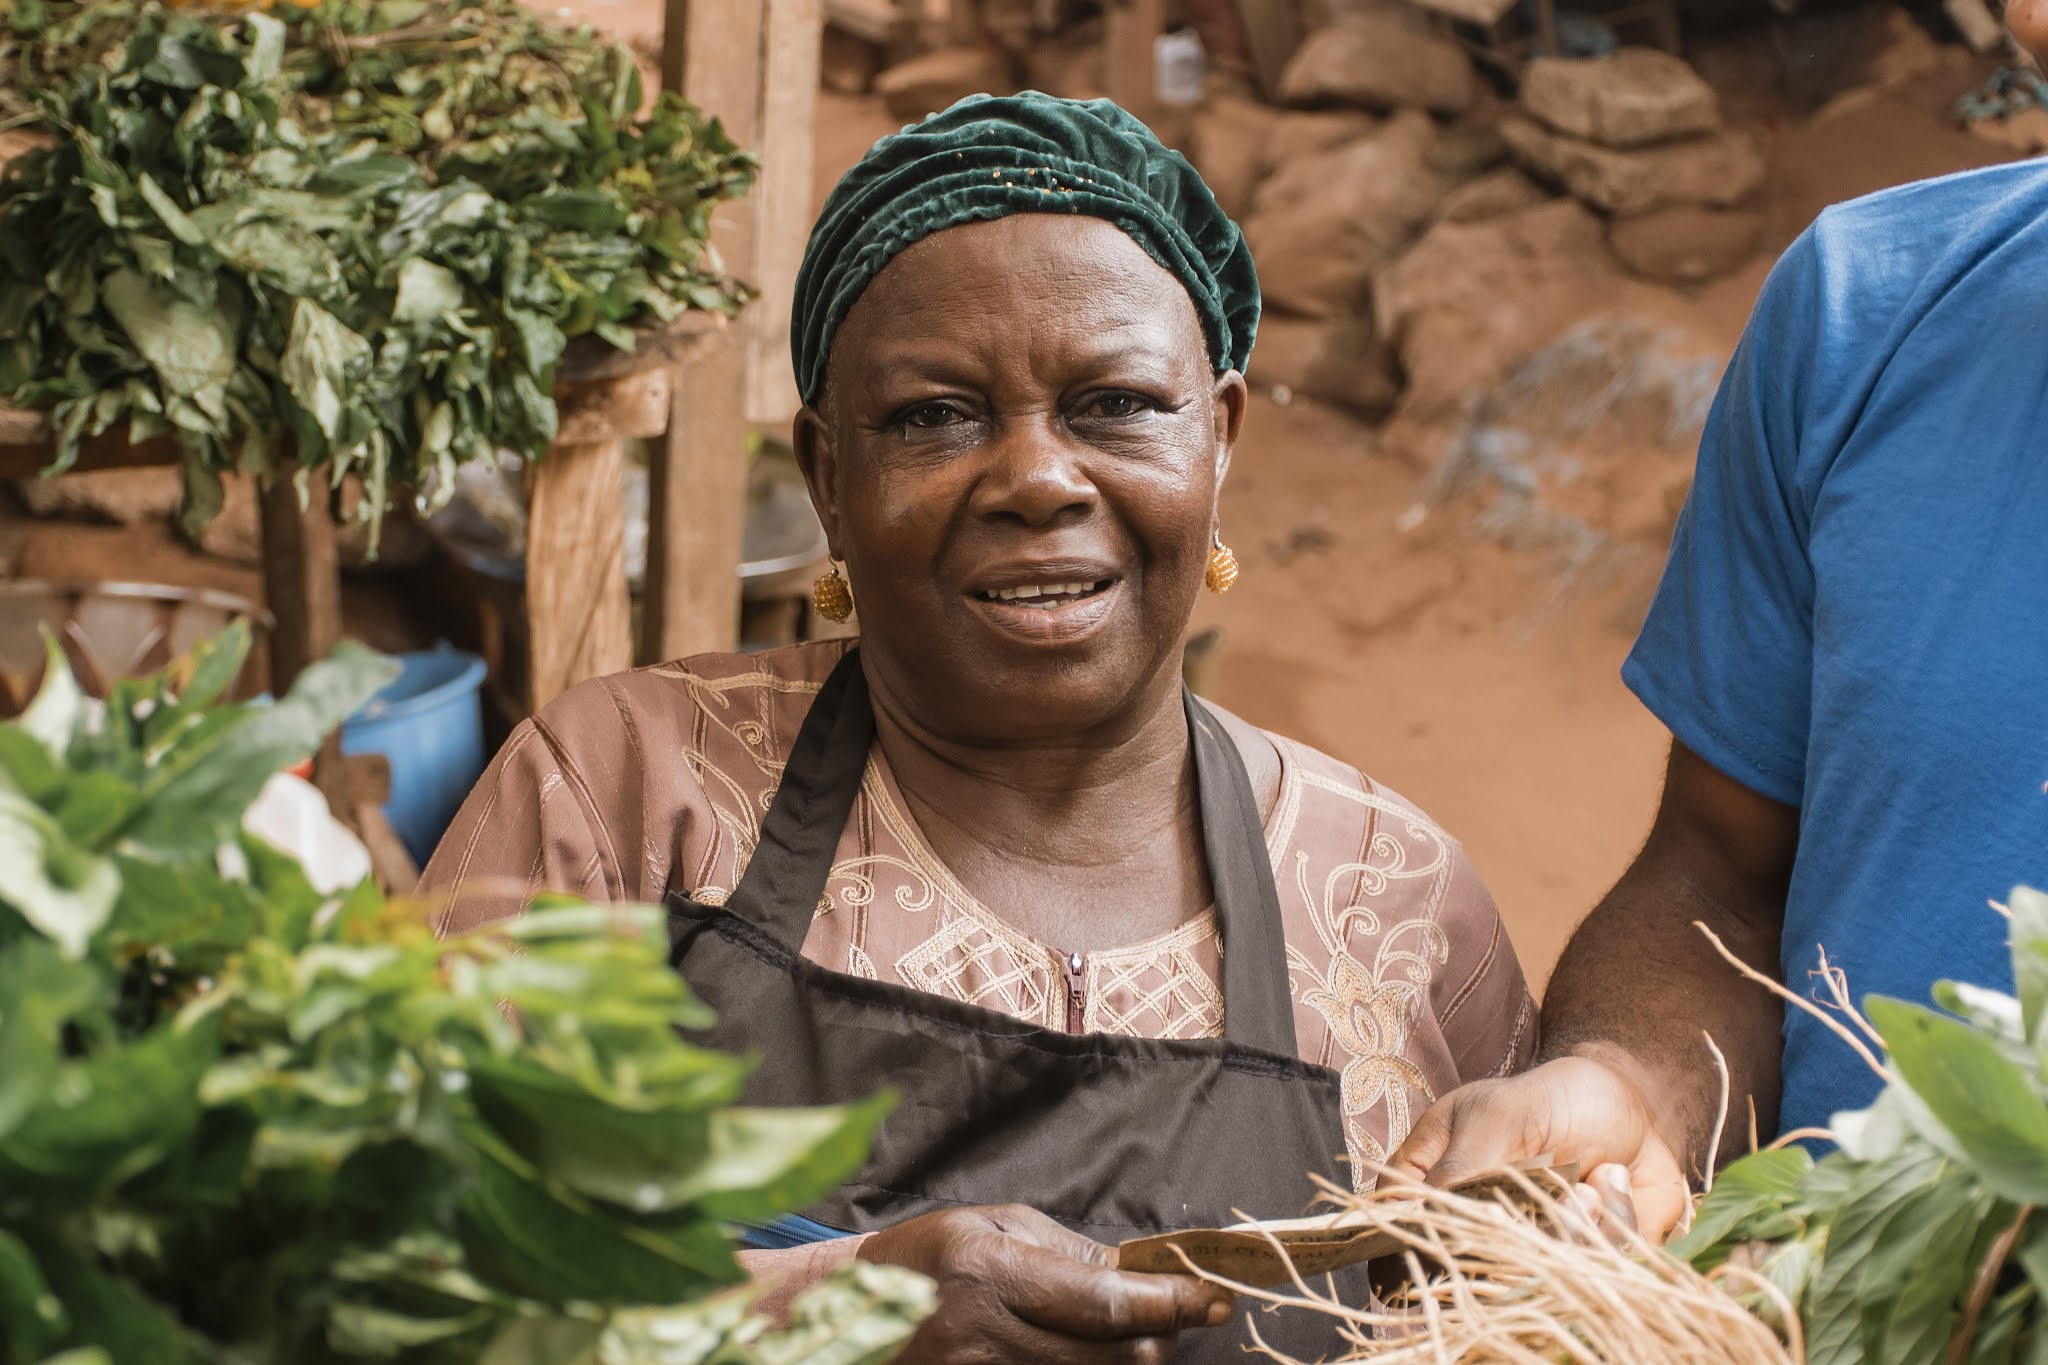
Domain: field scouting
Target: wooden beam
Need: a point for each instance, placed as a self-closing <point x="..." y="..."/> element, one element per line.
<point x="791" y="44"/>
<point x="697" y="479"/>
<point x="301" y="577"/>
<point x="578" y="614"/>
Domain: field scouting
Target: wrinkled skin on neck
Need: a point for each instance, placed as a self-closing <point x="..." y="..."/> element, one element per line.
<point x="1028" y="404"/>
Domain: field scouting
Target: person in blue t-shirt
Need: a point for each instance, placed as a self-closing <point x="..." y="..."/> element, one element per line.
<point x="1850" y="648"/>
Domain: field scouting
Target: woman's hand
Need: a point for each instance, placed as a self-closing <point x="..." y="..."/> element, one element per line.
<point x="1014" y="1285"/>
<point x="1574" y="1109"/>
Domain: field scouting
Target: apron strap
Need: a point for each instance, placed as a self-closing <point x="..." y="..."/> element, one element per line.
<point x="785" y="879"/>
<point x="1258" y="1011"/>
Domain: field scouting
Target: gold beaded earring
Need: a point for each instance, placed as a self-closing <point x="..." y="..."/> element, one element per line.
<point x="830" y="595"/>
<point x="1222" y="572"/>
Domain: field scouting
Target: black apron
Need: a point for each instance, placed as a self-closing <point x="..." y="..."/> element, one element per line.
<point x="1115" y="1137"/>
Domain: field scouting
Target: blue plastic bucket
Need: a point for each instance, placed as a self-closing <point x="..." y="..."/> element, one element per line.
<point x="429" y="723"/>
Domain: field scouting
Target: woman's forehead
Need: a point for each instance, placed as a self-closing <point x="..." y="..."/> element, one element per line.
<point x="1025" y="274"/>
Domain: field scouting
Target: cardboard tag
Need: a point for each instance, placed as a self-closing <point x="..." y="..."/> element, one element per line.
<point x="1316" y="1245"/>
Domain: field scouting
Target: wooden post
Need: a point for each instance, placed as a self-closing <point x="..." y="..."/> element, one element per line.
<point x="301" y="578"/>
<point x="578" y="617"/>
<point x="781" y="202"/>
<point x="697" y="480"/>
<point x="1129" y="30"/>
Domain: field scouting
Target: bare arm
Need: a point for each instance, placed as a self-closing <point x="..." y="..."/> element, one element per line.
<point x="1624" y="1075"/>
<point x="1638" y="983"/>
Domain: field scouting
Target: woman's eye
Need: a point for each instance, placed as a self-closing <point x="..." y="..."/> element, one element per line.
<point x="928" y="416"/>
<point x="1115" y="405"/>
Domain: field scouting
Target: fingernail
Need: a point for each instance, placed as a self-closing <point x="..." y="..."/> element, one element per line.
<point x="1613" y="1178"/>
<point x="1219" y="1312"/>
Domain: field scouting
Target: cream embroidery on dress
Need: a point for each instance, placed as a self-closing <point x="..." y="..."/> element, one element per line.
<point x="1371" y="1008"/>
<point x="1156" y="989"/>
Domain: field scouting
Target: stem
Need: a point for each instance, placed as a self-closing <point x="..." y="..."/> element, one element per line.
<point x="1987" y="1280"/>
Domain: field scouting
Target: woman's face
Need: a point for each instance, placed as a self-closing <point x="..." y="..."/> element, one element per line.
<point x="1017" y="456"/>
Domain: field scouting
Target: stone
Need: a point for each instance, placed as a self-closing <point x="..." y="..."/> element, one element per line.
<point x="1381" y="60"/>
<point x="1468" y="148"/>
<point x="1723" y="169"/>
<point x="1341" y="361"/>
<point x="1296" y="136"/>
<point x="928" y="83"/>
<point x="1319" y="227"/>
<point x="1469" y="301"/>
<point x="1632" y="98"/>
<point x="125" y="497"/>
<point x="1506" y="190"/>
<point x="1686" y="244"/>
<point x="1229" y="149"/>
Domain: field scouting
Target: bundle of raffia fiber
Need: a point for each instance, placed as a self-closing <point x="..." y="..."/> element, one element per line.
<point x="1495" y="1284"/>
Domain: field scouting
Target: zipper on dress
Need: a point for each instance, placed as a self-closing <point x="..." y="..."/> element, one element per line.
<point x="1077" y="991"/>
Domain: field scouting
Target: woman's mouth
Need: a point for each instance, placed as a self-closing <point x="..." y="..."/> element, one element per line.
<point x="1044" y="596"/>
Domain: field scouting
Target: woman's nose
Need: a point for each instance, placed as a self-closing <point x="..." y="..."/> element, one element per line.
<point x="1034" y="474"/>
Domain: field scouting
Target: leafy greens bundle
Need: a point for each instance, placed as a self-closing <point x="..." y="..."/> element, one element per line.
<point x="1916" y="1239"/>
<point x="352" y="238"/>
<point x="241" y="1121"/>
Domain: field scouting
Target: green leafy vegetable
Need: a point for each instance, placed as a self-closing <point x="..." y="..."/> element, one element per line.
<point x="241" y="1121"/>
<point x="1915" y="1240"/>
<point x="353" y="237"/>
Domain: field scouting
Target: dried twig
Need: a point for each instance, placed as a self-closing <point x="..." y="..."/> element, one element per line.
<point x="1987" y="1280"/>
<point x="1720" y="1115"/>
<point x="1530" y="1283"/>
<point x="1834" y="1025"/>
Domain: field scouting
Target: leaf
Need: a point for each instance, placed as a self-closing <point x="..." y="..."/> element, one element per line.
<point x="1834" y="1312"/>
<point x="631" y="1152"/>
<point x="200" y="805"/>
<point x="266" y="48"/>
<point x="168" y="213"/>
<point x="860" y="1315"/>
<point x="1762" y="1182"/>
<point x="767" y="1162"/>
<point x="320" y="365"/>
<point x="1976" y="1093"/>
<point x="64" y="892"/>
<point x="191" y="349"/>
<point x="527" y="1239"/>
<point x="60" y="706"/>
<point x="109" y="1117"/>
<point x="2029" y="934"/>
<point x="40" y="992"/>
<point x="32" y="1319"/>
<point x="425" y="292"/>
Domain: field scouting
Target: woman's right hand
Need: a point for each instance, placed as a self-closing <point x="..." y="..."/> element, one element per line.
<point x="1015" y="1285"/>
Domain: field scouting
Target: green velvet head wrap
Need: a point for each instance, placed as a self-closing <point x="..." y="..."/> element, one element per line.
<point x="992" y="156"/>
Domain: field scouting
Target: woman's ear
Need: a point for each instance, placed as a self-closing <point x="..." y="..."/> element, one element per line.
<point x="1228" y="403"/>
<point x="819" y="461"/>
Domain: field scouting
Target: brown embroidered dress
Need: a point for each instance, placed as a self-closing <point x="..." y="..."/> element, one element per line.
<point x="1402" y="977"/>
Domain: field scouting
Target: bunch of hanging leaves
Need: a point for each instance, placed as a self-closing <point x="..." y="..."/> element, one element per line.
<point x="346" y="238"/>
<point x="1917" y="1238"/>
<point x="243" y="1121"/>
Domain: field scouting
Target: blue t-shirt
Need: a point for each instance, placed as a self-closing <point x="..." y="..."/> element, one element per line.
<point x="1854" y="619"/>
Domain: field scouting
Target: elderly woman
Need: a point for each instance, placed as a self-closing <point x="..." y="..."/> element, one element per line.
<point x="1131" y="963"/>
